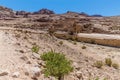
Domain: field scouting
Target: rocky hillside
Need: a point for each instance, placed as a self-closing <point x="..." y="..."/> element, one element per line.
<point x="19" y="62"/>
<point x="6" y="12"/>
<point x="20" y="31"/>
<point x="70" y="21"/>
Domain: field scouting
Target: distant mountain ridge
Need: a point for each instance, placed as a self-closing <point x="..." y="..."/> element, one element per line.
<point x="7" y="12"/>
<point x="70" y="21"/>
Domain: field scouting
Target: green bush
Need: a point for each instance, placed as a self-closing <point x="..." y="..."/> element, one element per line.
<point x="97" y="78"/>
<point x="56" y="64"/>
<point x="98" y="64"/>
<point x="115" y="65"/>
<point x="75" y="43"/>
<point x="83" y="47"/>
<point x="61" y="42"/>
<point x="108" y="62"/>
<point x="35" y="48"/>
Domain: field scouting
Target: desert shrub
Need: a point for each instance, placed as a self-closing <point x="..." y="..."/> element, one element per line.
<point x="98" y="64"/>
<point x="105" y="79"/>
<point x="108" y="62"/>
<point x="61" y="42"/>
<point x="74" y="38"/>
<point x="75" y="43"/>
<point x="35" y="48"/>
<point x="83" y="47"/>
<point x="115" y="65"/>
<point x="56" y="64"/>
<point x="97" y="78"/>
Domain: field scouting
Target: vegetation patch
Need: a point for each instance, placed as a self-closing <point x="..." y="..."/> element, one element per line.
<point x="61" y="42"/>
<point x="83" y="47"/>
<point x="108" y="62"/>
<point x="115" y="65"/>
<point x="56" y="65"/>
<point x="35" y="48"/>
<point x="98" y="64"/>
<point x="75" y="43"/>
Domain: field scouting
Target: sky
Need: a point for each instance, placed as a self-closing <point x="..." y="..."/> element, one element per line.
<point x="103" y="7"/>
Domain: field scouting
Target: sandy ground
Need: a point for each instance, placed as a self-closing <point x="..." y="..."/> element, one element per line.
<point x="11" y="42"/>
<point x="9" y="57"/>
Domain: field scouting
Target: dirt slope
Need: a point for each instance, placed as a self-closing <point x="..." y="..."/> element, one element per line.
<point x="19" y="62"/>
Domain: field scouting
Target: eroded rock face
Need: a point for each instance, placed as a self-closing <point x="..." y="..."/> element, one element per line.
<point x="68" y="22"/>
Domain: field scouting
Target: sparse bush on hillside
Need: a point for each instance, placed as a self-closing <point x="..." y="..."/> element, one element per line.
<point x="35" y="48"/>
<point x="97" y="78"/>
<point x="74" y="38"/>
<point x="83" y="47"/>
<point x="105" y="79"/>
<point x="61" y="42"/>
<point x="108" y="62"/>
<point x="75" y="43"/>
<point x="56" y="64"/>
<point x="98" y="64"/>
<point x="115" y="65"/>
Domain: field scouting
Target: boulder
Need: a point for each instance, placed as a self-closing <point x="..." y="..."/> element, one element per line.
<point x="16" y="74"/>
<point x="79" y="74"/>
<point x="3" y="72"/>
<point x="35" y="72"/>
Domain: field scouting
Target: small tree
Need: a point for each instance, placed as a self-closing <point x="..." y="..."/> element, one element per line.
<point x="56" y="65"/>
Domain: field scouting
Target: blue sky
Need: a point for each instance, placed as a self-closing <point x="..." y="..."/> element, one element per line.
<point x="103" y="7"/>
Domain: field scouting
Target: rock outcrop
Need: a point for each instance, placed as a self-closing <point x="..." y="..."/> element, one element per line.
<point x="6" y="12"/>
<point x="44" y="11"/>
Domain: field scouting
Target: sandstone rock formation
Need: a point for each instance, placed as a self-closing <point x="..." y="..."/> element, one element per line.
<point x="6" y="12"/>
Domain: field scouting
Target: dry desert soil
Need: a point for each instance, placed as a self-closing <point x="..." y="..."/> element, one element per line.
<point x="18" y="61"/>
